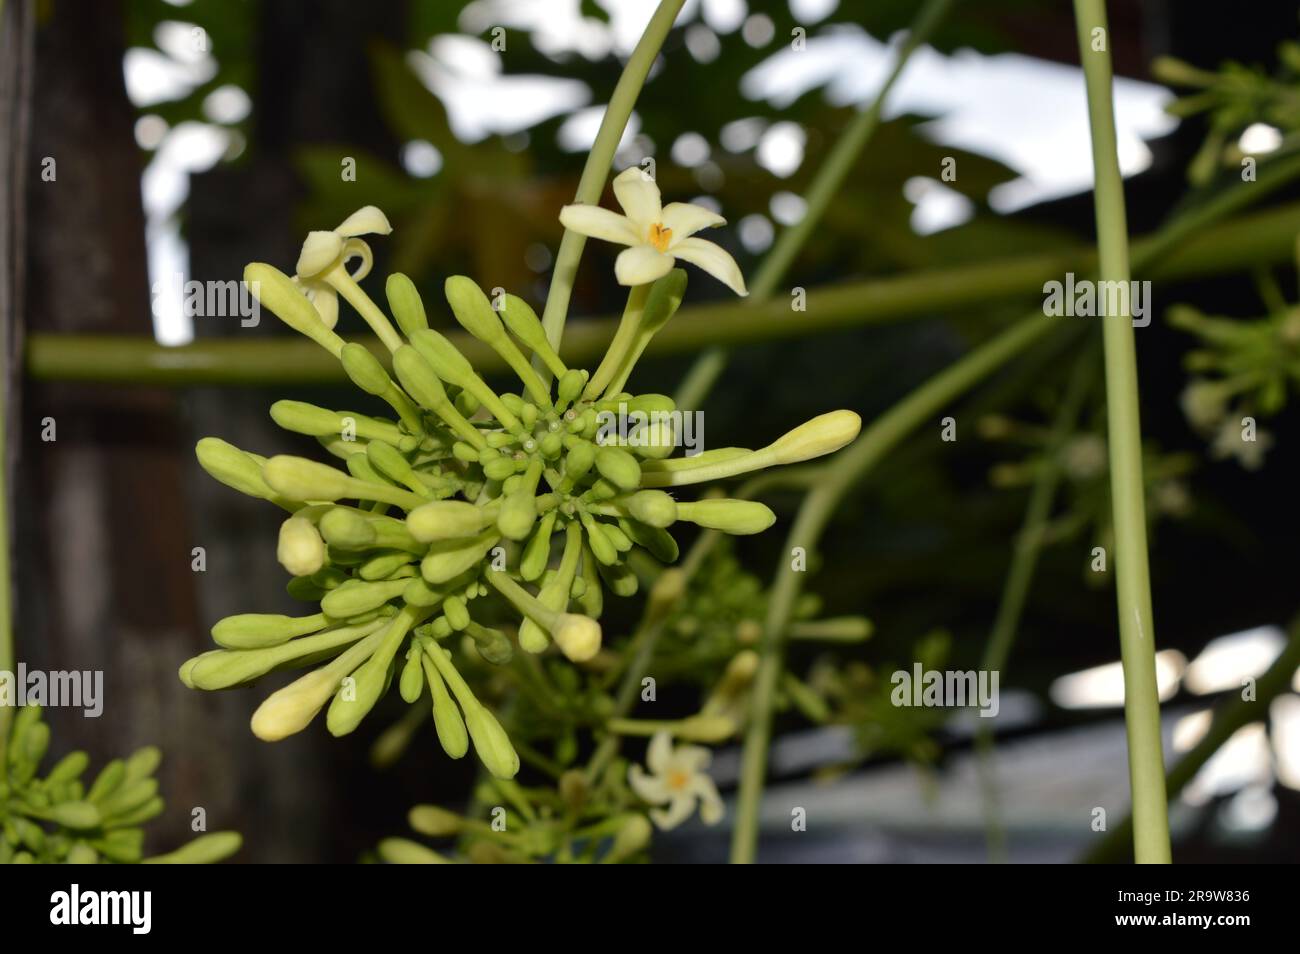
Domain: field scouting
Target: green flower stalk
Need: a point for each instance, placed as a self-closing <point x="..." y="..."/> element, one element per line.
<point x="540" y="496"/>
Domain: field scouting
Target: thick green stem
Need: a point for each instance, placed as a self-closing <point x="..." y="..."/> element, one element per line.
<point x="1228" y="718"/>
<point x="255" y="362"/>
<point x="594" y="173"/>
<point x="1024" y="559"/>
<point x="1128" y="491"/>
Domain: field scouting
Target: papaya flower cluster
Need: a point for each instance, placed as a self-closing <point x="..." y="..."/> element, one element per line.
<point x="461" y="495"/>
<point x="60" y="818"/>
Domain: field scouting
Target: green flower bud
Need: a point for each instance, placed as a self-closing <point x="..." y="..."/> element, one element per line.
<point x="369" y="680"/>
<point x="600" y="544"/>
<point x="347" y="529"/>
<point x="403" y="851"/>
<point x="68" y="768"/>
<point x="729" y="516"/>
<point x="705" y="728"/>
<point x="525" y="325"/>
<point x="387" y="565"/>
<point x="499" y="468"/>
<point x="221" y="670"/>
<point x="631" y="838"/>
<point x="453" y="607"/>
<point x="655" y="508"/>
<point x="571" y="384"/>
<point x="619" y="578"/>
<point x="434" y="821"/>
<point x="233" y="467"/>
<point x="447" y="362"/>
<point x="259" y="630"/>
<point x="300" y="549"/>
<point x="491" y="743"/>
<point x="273" y="289"/>
<point x="75" y="815"/>
<point x="581" y="458"/>
<point x="364" y="369"/>
<point x="592" y="598"/>
<point x="492" y="644"/>
<point x="388" y="460"/>
<point x="360" y="596"/>
<point x="824" y="434"/>
<point x="405" y="303"/>
<point x="538" y="550"/>
<point x="411" y="683"/>
<point x="655" y="440"/>
<point x="451" y="558"/>
<point x="300" y="479"/>
<point x="446" y="520"/>
<point x="447" y="719"/>
<point x="618" y="467"/>
<point x="204" y="850"/>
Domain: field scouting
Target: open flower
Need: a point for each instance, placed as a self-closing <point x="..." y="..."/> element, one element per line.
<point x="325" y="251"/>
<point x="678" y="780"/>
<point x="655" y="235"/>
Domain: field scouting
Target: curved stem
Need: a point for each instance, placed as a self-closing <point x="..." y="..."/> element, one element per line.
<point x="1128" y="491"/>
<point x="594" y="173"/>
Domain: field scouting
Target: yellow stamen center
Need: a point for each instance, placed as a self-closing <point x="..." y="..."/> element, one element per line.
<point x="677" y="781"/>
<point x="660" y="237"/>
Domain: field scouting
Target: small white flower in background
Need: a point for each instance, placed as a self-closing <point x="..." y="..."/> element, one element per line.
<point x="325" y="251"/>
<point x="677" y="779"/>
<point x="1228" y="442"/>
<point x="655" y="234"/>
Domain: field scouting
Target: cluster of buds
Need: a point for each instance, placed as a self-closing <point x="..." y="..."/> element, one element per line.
<point x="59" y="819"/>
<point x="461" y="493"/>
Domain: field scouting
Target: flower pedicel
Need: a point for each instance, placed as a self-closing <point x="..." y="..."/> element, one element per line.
<point x="465" y="492"/>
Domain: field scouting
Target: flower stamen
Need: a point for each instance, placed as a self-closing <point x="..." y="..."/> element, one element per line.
<point x="659" y="237"/>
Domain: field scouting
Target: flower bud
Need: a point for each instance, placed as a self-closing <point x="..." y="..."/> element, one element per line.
<point x="447" y="362"/>
<point x="259" y="630"/>
<point x="618" y="467"/>
<point x="491" y="742"/>
<point x="571" y="384"/>
<point x="730" y="516"/>
<point x="577" y="636"/>
<point x="406" y="304"/>
<point x="346" y="529"/>
<point x="273" y="289"/>
<point x="824" y="434"/>
<point x="301" y="479"/>
<point x="203" y="850"/>
<point x="655" y="508"/>
<point x="450" y="558"/>
<point x="445" y="520"/>
<point x="360" y="596"/>
<point x="705" y="728"/>
<point x="631" y="838"/>
<point x="403" y="851"/>
<point x="434" y="821"/>
<point x="233" y="467"/>
<point x="300" y="549"/>
<point x="364" y="369"/>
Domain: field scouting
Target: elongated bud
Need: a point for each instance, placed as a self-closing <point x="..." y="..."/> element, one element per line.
<point x="446" y="520"/>
<point x="233" y="467"/>
<point x="204" y="850"/>
<point x="447" y="719"/>
<point x="259" y="630"/>
<point x="824" y="434"/>
<point x="221" y="670"/>
<point x="525" y="325"/>
<point x="618" y="467"/>
<point x="406" y="304"/>
<point x="300" y="549"/>
<point x="347" y="529"/>
<point x="706" y="728"/>
<point x="631" y="838"/>
<point x="538" y="550"/>
<point x="75" y="814"/>
<point x="577" y="636"/>
<point x="739" y="517"/>
<point x="434" y="821"/>
<point x="491" y="743"/>
<point x="447" y="362"/>
<point x="403" y="851"/>
<point x="581" y="458"/>
<point x="303" y="418"/>
<point x="300" y="479"/>
<point x="473" y="310"/>
<point x="492" y="644"/>
<point x="369" y="680"/>
<point x="364" y="369"/>
<point x="571" y="384"/>
<point x="274" y="290"/>
<point x="411" y="683"/>
<point x="658" y="541"/>
<point x="359" y="596"/>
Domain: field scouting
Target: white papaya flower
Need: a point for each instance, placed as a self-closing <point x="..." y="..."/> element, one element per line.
<point x="325" y="251"/>
<point x="656" y="235"/>
<point x="678" y="779"/>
